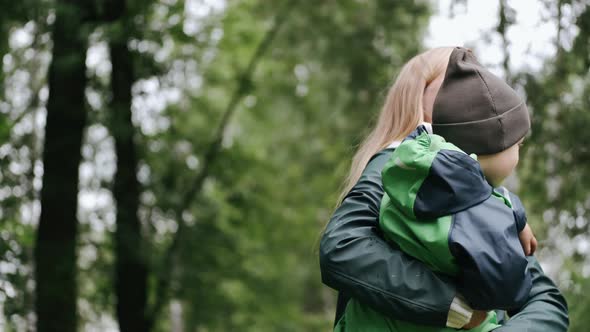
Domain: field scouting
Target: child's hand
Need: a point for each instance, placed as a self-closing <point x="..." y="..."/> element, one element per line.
<point x="476" y="319"/>
<point x="528" y="240"/>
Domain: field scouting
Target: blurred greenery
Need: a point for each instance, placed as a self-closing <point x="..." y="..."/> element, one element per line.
<point x="245" y="117"/>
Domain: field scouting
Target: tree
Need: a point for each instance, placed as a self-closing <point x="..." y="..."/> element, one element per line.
<point x="554" y="171"/>
<point x="217" y="136"/>
<point x="131" y="262"/>
<point x="55" y="247"/>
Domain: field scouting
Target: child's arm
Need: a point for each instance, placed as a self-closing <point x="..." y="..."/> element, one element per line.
<point x="485" y="242"/>
<point x="525" y="234"/>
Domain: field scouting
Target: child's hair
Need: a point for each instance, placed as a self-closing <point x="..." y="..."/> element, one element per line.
<point x="402" y="111"/>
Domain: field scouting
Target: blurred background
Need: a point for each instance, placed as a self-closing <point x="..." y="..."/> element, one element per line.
<point x="168" y="165"/>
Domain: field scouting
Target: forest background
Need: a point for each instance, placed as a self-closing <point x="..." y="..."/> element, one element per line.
<point x="168" y="165"/>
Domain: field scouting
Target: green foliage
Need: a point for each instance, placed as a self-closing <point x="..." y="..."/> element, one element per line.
<point x="246" y="257"/>
<point x="555" y="166"/>
<point x="247" y="261"/>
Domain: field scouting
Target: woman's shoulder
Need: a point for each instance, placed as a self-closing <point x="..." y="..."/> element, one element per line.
<point x="377" y="162"/>
<point x="381" y="155"/>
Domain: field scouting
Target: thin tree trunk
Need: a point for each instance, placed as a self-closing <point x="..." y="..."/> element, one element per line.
<point x="55" y="248"/>
<point x="131" y="265"/>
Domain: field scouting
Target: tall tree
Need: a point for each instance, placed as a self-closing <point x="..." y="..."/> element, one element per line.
<point x="131" y="268"/>
<point x="55" y="249"/>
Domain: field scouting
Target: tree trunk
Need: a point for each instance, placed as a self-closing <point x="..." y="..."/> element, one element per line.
<point x="131" y="264"/>
<point x="55" y="248"/>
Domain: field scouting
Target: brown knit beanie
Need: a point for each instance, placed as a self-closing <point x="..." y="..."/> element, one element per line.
<point x="476" y="110"/>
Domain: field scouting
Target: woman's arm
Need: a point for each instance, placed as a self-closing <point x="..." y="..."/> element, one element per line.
<point x="356" y="260"/>
<point x="545" y="310"/>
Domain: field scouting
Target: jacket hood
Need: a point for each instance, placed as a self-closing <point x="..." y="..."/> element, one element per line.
<point x="427" y="177"/>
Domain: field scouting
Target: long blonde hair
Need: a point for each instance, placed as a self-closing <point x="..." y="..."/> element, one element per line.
<point x="402" y="111"/>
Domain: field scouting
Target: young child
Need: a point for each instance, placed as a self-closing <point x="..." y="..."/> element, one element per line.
<point x="440" y="205"/>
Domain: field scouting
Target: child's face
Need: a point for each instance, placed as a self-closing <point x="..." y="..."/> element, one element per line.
<point x="496" y="167"/>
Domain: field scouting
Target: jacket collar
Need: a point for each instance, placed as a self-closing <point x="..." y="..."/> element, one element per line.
<point x="395" y="144"/>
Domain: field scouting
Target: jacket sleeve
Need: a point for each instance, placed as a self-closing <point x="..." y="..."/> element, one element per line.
<point x="356" y="260"/>
<point x="517" y="208"/>
<point x="493" y="268"/>
<point x="545" y="309"/>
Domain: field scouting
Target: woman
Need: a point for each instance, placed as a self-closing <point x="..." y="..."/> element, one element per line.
<point x="356" y="260"/>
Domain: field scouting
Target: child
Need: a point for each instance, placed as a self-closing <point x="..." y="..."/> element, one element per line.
<point x="440" y="205"/>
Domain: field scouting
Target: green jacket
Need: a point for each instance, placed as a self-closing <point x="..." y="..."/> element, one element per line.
<point x="356" y="260"/>
<point x="439" y="208"/>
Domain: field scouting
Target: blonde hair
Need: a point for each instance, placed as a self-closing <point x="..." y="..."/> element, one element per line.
<point x="402" y="111"/>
